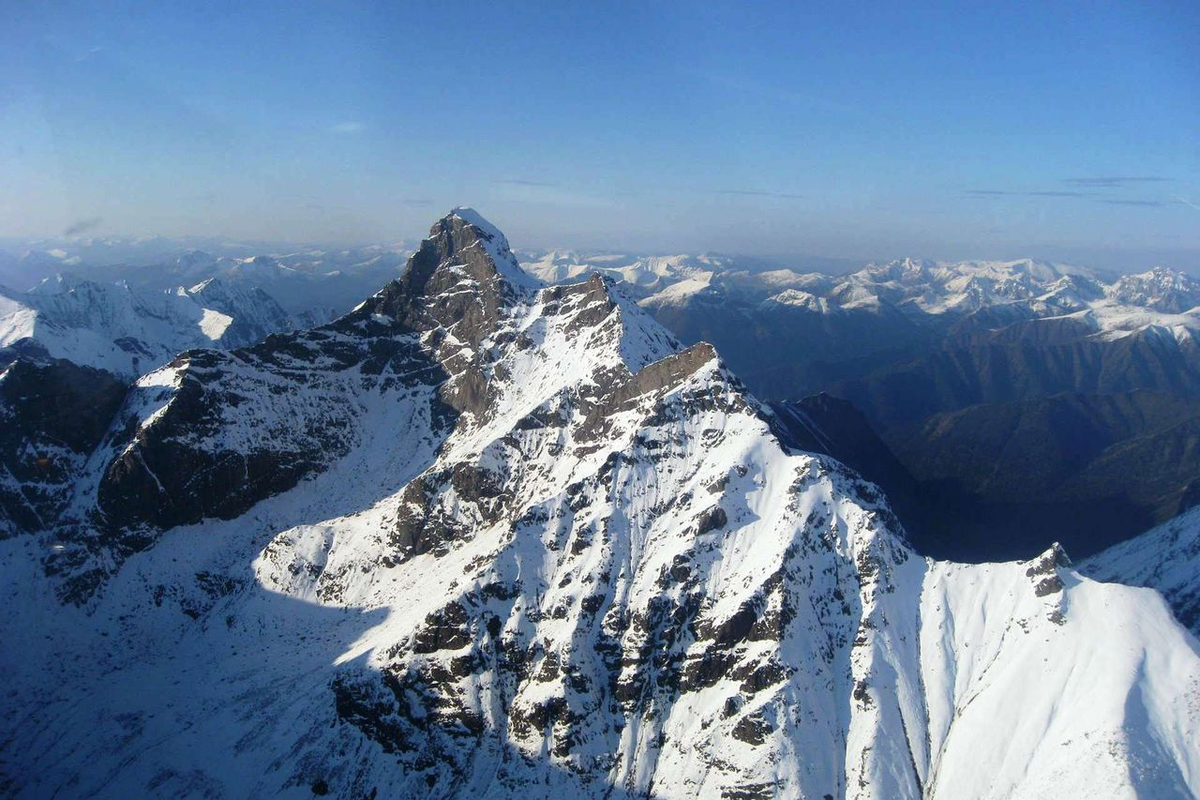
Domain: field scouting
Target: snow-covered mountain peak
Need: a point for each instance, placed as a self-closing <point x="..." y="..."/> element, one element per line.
<point x="467" y="228"/>
<point x="195" y="260"/>
<point x="904" y="271"/>
<point x="126" y="330"/>
<point x="476" y="220"/>
<point x="1160" y="289"/>
<point x="477" y="538"/>
<point x="797" y="298"/>
<point x="1044" y="570"/>
<point x="56" y="284"/>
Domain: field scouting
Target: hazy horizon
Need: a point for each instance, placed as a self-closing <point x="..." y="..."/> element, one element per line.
<point x="1102" y="259"/>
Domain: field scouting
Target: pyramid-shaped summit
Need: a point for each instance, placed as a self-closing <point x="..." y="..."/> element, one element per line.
<point x="485" y="538"/>
<point x="463" y="242"/>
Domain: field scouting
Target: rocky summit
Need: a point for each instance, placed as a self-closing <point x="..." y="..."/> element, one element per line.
<point x="481" y="537"/>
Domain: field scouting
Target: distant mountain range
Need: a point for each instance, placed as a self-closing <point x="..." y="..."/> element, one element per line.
<point x="311" y="284"/>
<point x="983" y="378"/>
<point x="481" y="536"/>
<point x="1025" y="401"/>
<point x="129" y="331"/>
<point x="129" y="306"/>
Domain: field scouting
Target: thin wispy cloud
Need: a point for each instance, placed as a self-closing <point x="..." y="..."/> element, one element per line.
<point x="1111" y="182"/>
<point x="348" y="126"/>
<point x="542" y="192"/>
<point x="82" y="226"/>
<point x="1006" y="193"/>
<point x="1056" y="194"/>
<point x="1187" y="203"/>
<point x="523" y="182"/>
<point x="1145" y="203"/>
<point x="751" y="193"/>
<point x="1097" y="197"/>
<point x="91" y="52"/>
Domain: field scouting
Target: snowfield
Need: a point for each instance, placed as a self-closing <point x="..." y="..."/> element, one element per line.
<point x="1166" y="558"/>
<point x="539" y="549"/>
<point x="128" y="331"/>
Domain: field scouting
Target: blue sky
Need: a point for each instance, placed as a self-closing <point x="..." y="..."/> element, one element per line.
<point x="856" y="130"/>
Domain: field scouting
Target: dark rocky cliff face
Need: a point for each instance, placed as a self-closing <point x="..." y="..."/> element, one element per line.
<point x="216" y="432"/>
<point x="501" y="541"/>
<point x="51" y="418"/>
<point x="178" y="471"/>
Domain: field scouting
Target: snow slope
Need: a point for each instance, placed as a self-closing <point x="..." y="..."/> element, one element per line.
<point x="537" y="548"/>
<point x="1166" y="558"/>
<point x="127" y="331"/>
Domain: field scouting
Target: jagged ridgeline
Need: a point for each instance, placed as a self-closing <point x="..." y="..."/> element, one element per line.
<point x="482" y="537"/>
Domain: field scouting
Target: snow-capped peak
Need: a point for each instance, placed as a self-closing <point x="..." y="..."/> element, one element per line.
<point x="492" y="240"/>
<point x="1159" y="289"/>
<point x="485" y="538"/>
<point x="473" y="217"/>
<point x="126" y="330"/>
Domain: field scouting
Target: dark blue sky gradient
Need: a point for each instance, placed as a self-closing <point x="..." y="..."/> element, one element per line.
<point x="858" y="130"/>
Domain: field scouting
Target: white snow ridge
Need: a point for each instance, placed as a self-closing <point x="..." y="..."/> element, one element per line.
<point x="529" y="546"/>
